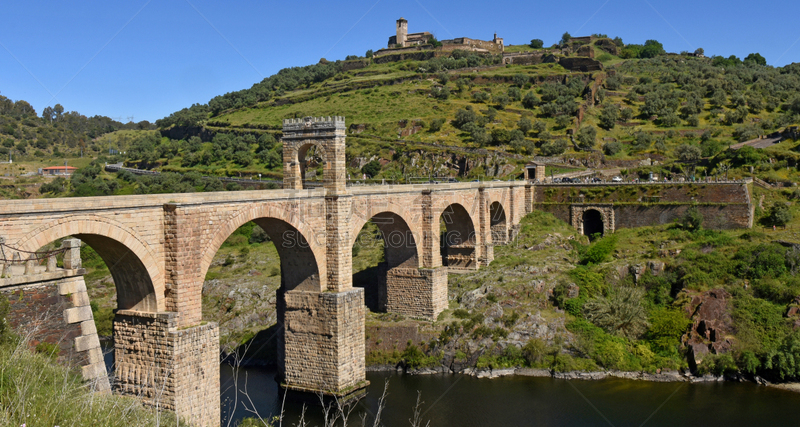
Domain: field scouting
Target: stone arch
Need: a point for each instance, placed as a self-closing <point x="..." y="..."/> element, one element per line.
<point x="302" y="253"/>
<point x="386" y="284"/>
<point x="138" y="277"/>
<point x="592" y="222"/>
<point x="298" y="151"/>
<point x="498" y="223"/>
<point x="605" y="212"/>
<point x="458" y="242"/>
<point x="393" y="224"/>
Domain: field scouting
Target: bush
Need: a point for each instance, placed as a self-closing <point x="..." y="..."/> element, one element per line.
<point x="666" y="328"/>
<point x="599" y="250"/>
<point x="554" y="148"/>
<point x="612" y="148"/>
<point x="534" y="352"/>
<point x="621" y="313"/>
<point x="691" y="220"/>
<point x="372" y="168"/>
<point x="436" y="124"/>
<point x="258" y="235"/>
<point x="779" y="214"/>
<point x="766" y="259"/>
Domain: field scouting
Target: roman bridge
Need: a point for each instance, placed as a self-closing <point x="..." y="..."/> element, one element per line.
<point x="158" y="249"/>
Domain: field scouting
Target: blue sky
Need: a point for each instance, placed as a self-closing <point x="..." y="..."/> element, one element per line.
<point x="146" y="59"/>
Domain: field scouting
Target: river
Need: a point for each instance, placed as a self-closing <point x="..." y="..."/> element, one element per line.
<point x="460" y="400"/>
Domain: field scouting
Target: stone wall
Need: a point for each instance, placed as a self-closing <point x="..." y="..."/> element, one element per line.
<point x="580" y="64"/>
<point x="54" y="308"/>
<point x="725" y="216"/>
<point x="723" y="205"/>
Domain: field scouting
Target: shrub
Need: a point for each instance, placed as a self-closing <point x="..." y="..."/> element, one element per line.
<point x="534" y="351"/>
<point x="666" y="328"/>
<point x="691" y="220"/>
<point x="612" y="148"/>
<point x="598" y="251"/>
<point x="621" y="313"/>
<point x="372" y="168"/>
<point x="436" y="124"/>
<point x="258" y="235"/>
<point x="554" y="148"/>
<point x="779" y="214"/>
<point x="766" y="259"/>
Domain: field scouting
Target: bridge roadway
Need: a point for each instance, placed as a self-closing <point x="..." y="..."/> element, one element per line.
<point x="159" y="247"/>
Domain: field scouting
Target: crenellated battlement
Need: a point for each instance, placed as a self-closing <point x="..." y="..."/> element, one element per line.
<point x="336" y="122"/>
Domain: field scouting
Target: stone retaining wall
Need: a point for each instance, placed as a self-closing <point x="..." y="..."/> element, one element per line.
<point x="54" y="308"/>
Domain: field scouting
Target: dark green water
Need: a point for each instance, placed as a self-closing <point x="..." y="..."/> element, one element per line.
<point x="458" y="400"/>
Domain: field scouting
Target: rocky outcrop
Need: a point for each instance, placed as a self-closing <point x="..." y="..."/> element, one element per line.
<point x="712" y="325"/>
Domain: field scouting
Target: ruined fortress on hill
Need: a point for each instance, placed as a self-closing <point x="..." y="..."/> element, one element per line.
<point x="577" y="55"/>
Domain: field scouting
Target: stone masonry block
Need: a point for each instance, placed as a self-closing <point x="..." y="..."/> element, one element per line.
<point x="87" y="342"/>
<point x="71" y="286"/>
<point x="77" y="314"/>
<point x="88" y="327"/>
<point x="95" y="370"/>
<point x="80" y="299"/>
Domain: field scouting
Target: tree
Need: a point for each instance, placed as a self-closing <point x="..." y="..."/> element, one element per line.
<point x="779" y="214"/>
<point x="481" y="137"/>
<point x="524" y="124"/>
<point x="651" y="49"/>
<point x="612" y="148"/>
<point x="609" y="116"/>
<point x="565" y="38"/>
<point x="755" y="59"/>
<point x="436" y="124"/>
<point x="536" y="44"/>
<point x="626" y="113"/>
<point x="530" y="101"/>
<point x="586" y="137"/>
<point x="688" y="153"/>
<point x="521" y="79"/>
<point x="371" y="169"/>
<point x="369" y="54"/>
<point x="699" y="51"/>
<point x="554" y="148"/>
<point x="501" y="100"/>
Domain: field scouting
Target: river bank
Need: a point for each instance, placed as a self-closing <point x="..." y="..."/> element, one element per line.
<point x="661" y="376"/>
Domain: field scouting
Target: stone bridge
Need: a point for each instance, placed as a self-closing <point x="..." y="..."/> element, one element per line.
<point x="158" y="249"/>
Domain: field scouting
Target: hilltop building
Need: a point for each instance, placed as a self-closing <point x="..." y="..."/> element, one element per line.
<point x="403" y="39"/>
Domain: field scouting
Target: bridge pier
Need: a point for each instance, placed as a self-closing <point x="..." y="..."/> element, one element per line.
<point x="414" y="292"/>
<point x="321" y="341"/>
<point x="167" y="366"/>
